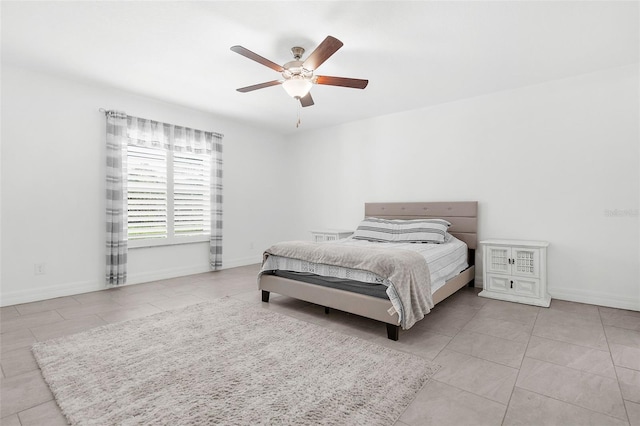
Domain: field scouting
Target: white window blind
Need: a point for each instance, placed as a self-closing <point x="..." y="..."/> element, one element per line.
<point x="191" y="200"/>
<point x="147" y="192"/>
<point x="168" y="192"/>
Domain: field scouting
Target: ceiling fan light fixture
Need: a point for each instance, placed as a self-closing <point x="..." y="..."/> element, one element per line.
<point x="297" y="86"/>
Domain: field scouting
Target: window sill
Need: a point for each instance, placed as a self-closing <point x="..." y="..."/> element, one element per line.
<point x="135" y="244"/>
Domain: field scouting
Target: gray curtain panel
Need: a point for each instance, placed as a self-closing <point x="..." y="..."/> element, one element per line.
<point x="116" y="198"/>
<point x="148" y="133"/>
<point x="215" y="244"/>
<point x="209" y="143"/>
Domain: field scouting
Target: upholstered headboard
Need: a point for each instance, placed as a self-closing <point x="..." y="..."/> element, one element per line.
<point x="463" y="215"/>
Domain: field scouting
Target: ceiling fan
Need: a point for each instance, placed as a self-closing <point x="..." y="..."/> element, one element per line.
<point x="299" y="75"/>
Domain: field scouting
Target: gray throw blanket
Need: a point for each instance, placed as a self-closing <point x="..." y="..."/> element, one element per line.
<point x="407" y="271"/>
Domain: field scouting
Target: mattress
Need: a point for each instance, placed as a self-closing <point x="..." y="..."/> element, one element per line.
<point x="445" y="261"/>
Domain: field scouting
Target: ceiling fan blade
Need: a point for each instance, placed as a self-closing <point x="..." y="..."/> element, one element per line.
<point x="254" y="56"/>
<point x="306" y="100"/>
<point x="328" y="47"/>
<point x="259" y="86"/>
<point x="354" y="83"/>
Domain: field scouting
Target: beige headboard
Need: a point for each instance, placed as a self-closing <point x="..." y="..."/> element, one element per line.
<point x="463" y="215"/>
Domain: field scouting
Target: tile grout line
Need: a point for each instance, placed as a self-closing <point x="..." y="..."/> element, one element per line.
<point x="53" y="398"/>
<point x="483" y="359"/>
<point x="615" y="370"/>
<point x="572" y="404"/>
<point x="456" y="387"/>
<point x="415" y="396"/>
<point x="524" y="355"/>
<point x="571" y="343"/>
<point x="572" y="368"/>
<point x="472" y="356"/>
<point x="457" y="332"/>
<point x="35" y="406"/>
<point x="479" y="332"/>
<point x="575" y="344"/>
<point x="578" y="344"/>
<point x="472" y="393"/>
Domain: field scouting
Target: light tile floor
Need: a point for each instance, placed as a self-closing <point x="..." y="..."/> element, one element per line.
<point x="501" y="363"/>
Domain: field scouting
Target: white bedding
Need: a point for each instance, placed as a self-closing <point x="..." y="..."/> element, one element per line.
<point x="445" y="261"/>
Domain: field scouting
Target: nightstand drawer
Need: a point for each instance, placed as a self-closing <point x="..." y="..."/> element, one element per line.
<point x="498" y="283"/>
<point x="518" y="286"/>
<point x="526" y="287"/>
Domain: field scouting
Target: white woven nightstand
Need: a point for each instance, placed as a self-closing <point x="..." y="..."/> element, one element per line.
<point x="515" y="271"/>
<point x="323" y="235"/>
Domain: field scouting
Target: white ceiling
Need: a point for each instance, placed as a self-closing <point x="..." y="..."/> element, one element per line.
<point x="414" y="53"/>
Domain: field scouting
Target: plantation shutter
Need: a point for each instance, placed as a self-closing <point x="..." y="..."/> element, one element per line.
<point x="192" y="199"/>
<point x="147" y="192"/>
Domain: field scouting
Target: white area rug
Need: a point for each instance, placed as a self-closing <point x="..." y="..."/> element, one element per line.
<point x="227" y="362"/>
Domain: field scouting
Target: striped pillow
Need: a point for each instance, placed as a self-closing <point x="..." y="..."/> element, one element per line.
<point x="397" y="230"/>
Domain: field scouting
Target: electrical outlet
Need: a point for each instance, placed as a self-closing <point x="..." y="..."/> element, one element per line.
<point x="39" y="269"/>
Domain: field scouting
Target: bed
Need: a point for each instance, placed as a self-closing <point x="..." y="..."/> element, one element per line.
<point x="463" y="219"/>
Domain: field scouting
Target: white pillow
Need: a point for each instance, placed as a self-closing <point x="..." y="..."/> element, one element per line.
<point x="399" y="230"/>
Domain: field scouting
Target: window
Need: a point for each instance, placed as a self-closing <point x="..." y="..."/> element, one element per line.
<point x="168" y="185"/>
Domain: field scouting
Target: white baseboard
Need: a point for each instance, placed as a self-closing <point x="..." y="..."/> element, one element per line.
<point x="477" y="282"/>
<point x="595" y="298"/>
<point x="163" y="274"/>
<point x="252" y="260"/>
<point x="49" y="292"/>
<point x="189" y="270"/>
<point x="71" y="289"/>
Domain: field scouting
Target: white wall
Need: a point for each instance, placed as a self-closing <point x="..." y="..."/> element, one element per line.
<point x="544" y="162"/>
<point x="53" y="188"/>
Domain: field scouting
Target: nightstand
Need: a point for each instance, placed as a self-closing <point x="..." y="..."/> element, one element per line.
<point x="323" y="235"/>
<point x="515" y="271"/>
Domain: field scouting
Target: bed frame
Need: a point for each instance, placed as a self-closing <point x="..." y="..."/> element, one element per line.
<point x="463" y="216"/>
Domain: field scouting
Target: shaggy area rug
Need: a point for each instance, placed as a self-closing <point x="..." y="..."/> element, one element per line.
<point x="227" y="362"/>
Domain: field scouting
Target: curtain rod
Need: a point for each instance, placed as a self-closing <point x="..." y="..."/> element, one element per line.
<point x="107" y="111"/>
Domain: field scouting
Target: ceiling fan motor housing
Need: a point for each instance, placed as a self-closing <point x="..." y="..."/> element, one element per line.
<point x="295" y="69"/>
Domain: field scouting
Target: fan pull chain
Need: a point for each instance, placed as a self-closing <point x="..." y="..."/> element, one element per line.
<point x="298" y="122"/>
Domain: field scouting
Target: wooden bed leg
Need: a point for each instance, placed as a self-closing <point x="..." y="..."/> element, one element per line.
<point x="326" y="309"/>
<point x="265" y="296"/>
<point x="393" y="331"/>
